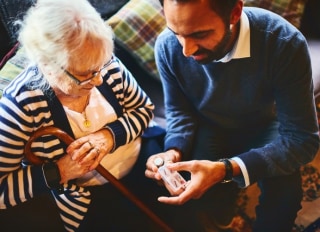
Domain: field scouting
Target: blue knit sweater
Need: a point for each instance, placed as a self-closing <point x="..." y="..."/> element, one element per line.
<point x="244" y="93"/>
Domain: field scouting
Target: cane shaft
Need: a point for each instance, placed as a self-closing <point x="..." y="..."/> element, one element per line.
<point x="100" y="169"/>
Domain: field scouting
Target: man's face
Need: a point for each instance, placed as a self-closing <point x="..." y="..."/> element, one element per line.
<point x="200" y="31"/>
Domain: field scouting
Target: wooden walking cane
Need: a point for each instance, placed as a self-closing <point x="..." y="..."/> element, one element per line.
<point x="50" y="130"/>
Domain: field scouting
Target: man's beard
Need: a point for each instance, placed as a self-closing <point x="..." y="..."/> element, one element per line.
<point x="219" y="51"/>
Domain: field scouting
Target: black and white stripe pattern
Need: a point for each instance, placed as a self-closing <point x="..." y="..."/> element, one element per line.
<point x="23" y="110"/>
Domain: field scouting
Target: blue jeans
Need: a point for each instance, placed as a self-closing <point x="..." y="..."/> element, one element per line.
<point x="280" y="196"/>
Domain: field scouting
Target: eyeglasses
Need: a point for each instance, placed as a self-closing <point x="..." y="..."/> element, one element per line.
<point x="93" y="75"/>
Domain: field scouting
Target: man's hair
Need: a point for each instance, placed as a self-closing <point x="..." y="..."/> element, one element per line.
<point x="222" y="7"/>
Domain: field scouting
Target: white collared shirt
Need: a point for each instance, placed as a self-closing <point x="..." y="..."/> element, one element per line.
<point x="241" y="48"/>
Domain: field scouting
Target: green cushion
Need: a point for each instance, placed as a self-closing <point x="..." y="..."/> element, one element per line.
<point x="136" y="26"/>
<point x="12" y="68"/>
<point x="138" y="23"/>
<point x="292" y="10"/>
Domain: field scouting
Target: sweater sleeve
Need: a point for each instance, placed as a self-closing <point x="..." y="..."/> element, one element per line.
<point x="133" y="107"/>
<point x="20" y="181"/>
<point x="298" y="139"/>
<point x="180" y="116"/>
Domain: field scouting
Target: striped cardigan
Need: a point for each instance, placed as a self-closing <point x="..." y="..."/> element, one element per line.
<point x="24" y="109"/>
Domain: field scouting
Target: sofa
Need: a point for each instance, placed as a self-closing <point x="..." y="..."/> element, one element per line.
<point x="138" y="22"/>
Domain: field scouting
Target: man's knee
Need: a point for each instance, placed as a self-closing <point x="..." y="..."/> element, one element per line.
<point x="279" y="202"/>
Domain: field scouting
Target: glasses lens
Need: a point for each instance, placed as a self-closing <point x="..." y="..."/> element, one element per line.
<point x="87" y="81"/>
<point x="103" y="71"/>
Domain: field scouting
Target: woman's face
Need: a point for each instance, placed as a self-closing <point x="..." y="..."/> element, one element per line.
<point x="86" y="67"/>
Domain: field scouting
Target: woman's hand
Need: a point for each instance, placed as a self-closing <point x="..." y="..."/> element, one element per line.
<point x="85" y="154"/>
<point x="70" y="169"/>
<point x="90" y="150"/>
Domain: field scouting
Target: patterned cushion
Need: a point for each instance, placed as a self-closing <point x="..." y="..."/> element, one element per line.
<point x="292" y="10"/>
<point x="12" y="68"/>
<point x="136" y="26"/>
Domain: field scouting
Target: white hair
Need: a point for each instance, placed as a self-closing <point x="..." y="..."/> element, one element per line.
<point x="53" y="29"/>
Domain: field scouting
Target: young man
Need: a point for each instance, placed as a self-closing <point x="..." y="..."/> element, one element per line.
<point x="240" y="109"/>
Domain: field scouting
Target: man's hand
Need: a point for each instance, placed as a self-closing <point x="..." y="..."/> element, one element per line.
<point x="170" y="156"/>
<point x="204" y="174"/>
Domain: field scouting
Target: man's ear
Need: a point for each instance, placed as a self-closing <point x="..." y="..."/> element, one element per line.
<point x="236" y="12"/>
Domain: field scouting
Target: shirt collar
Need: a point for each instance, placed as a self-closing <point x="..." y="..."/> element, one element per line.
<point x="241" y="48"/>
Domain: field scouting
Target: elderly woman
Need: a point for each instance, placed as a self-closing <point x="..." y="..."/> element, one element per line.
<point x="76" y="83"/>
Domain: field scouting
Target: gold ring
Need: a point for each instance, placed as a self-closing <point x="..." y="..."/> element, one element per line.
<point x="91" y="145"/>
